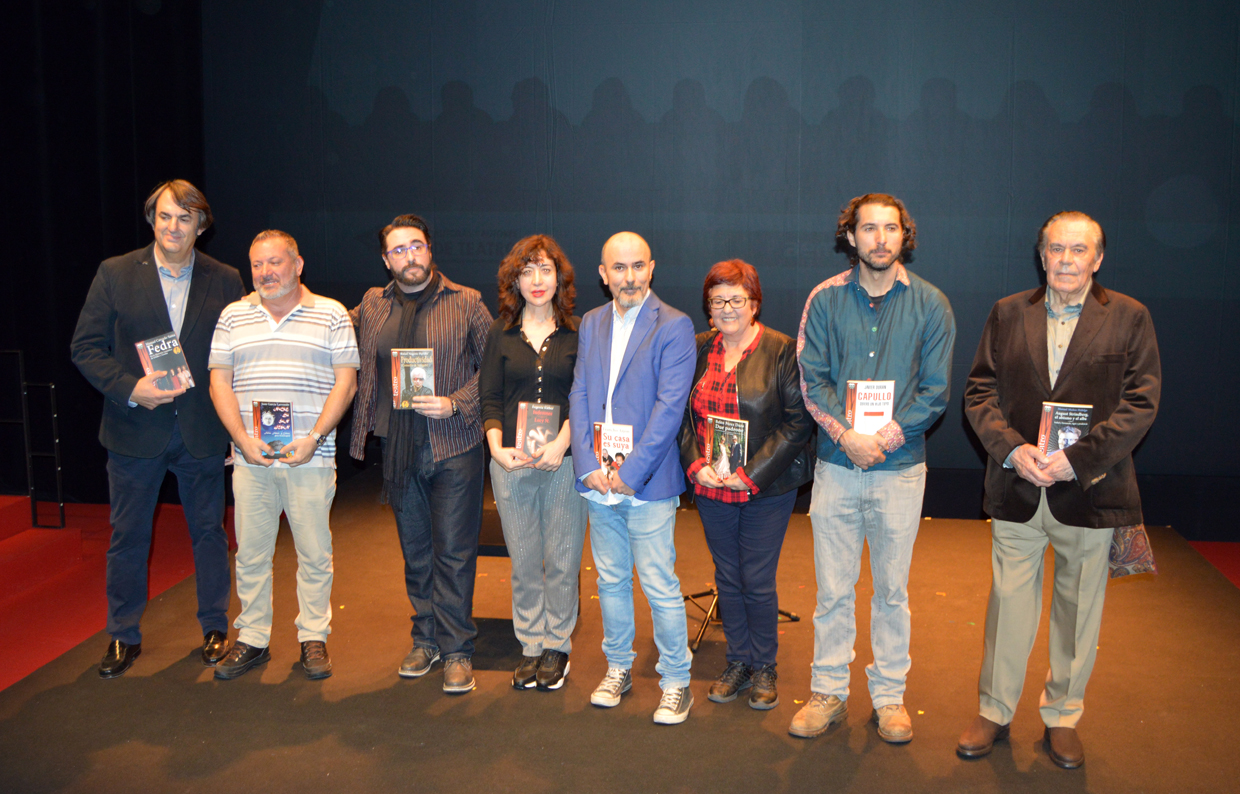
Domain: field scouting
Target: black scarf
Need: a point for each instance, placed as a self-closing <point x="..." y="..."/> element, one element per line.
<point x="402" y="437"/>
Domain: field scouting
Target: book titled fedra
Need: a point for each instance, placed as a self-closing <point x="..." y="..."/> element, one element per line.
<point x="728" y="445"/>
<point x="537" y="424"/>
<point x="413" y="375"/>
<point x="1062" y="425"/>
<point x="163" y="353"/>
<point x="868" y="404"/>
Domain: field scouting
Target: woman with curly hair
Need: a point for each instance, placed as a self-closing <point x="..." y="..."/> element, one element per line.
<point x="530" y="355"/>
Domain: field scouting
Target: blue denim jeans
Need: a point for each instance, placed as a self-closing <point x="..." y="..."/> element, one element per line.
<point x="851" y="507"/>
<point x="438" y="525"/>
<point x="623" y="536"/>
<point x="745" y="540"/>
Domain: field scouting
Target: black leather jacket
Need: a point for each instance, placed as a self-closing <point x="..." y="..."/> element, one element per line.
<point x="768" y="388"/>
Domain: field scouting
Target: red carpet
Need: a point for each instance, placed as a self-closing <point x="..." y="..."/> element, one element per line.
<point x="1224" y="556"/>
<point x="52" y="580"/>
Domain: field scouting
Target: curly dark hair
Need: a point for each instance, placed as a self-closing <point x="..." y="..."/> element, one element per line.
<point x="526" y="250"/>
<point x="735" y="273"/>
<point x="848" y="223"/>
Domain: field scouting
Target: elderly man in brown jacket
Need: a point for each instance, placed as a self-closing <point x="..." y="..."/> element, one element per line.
<point x="1069" y="342"/>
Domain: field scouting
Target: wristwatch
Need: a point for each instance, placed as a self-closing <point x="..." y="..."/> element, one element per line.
<point x="455" y="408"/>
<point x="319" y="438"/>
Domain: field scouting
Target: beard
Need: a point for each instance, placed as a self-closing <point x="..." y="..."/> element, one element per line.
<point x="275" y="290"/>
<point x="412" y="279"/>
<point x="867" y="258"/>
<point x="629" y="299"/>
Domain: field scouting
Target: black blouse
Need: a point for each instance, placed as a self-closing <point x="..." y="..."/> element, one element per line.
<point x="513" y="372"/>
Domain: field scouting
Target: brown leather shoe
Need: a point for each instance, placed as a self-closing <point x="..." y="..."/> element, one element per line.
<point x="980" y="737"/>
<point x="1064" y="747"/>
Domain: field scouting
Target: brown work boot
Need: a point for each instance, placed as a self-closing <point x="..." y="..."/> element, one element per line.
<point x="817" y="715"/>
<point x="894" y="725"/>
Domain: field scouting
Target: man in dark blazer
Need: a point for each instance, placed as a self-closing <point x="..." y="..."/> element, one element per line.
<point x="1069" y="342"/>
<point x="635" y="363"/>
<point x="166" y="287"/>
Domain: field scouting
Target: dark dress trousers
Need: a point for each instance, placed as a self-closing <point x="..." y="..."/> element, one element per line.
<point x="126" y="305"/>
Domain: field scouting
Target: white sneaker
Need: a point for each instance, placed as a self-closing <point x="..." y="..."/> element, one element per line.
<point x="674" y="706"/>
<point x="614" y="684"/>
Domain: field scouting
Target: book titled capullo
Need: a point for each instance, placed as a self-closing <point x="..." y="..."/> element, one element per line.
<point x="868" y="404"/>
<point x="163" y="353"/>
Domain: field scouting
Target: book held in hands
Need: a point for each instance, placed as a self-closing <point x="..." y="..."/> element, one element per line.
<point x="163" y="353"/>
<point x="1062" y="425"/>
<point x="612" y="444"/>
<point x="537" y="424"/>
<point x="728" y="445"/>
<point x="413" y="375"/>
<point x="868" y="404"/>
<point x="273" y="425"/>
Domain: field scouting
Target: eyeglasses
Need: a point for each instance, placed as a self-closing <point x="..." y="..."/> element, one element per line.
<point x="738" y="302"/>
<point x="401" y="250"/>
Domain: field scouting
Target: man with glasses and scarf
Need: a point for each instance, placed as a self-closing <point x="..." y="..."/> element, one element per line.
<point x="432" y="453"/>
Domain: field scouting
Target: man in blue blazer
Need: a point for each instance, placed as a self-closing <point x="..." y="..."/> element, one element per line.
<point x="635" y="363"/>
<point x="167" y="287"/>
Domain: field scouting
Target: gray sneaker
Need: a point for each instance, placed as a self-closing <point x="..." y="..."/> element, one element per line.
<point x="817" y="715"/>
<point x="674" y="706"/>
<point x="614" y="684"/>
<point x="418" y="662"/>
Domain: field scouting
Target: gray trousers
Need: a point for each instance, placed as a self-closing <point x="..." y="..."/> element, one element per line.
<point x="544" y="521"/>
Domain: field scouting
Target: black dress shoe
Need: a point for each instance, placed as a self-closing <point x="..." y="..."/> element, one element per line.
<point x="552" y="670"/>
<point x="526" y="674"/>
<point x="239" y="661"/>
<point x="214" y="647"/>
<point x="118" y="659"/>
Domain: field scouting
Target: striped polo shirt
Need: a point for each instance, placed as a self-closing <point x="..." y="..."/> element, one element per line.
<point x="292" y="361"/>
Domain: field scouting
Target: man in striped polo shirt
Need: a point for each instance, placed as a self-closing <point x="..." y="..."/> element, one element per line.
<point x="284" y="346"/>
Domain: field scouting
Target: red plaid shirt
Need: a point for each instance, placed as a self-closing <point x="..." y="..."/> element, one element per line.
<point x="715" y="394"/>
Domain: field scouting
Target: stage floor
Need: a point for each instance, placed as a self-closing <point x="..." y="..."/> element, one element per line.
<point x="1157" y="712"/>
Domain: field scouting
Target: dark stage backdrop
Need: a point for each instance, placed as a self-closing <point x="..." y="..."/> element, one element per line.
<point x="738" y="129"/>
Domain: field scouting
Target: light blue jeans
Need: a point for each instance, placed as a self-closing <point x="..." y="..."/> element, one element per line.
<point x="851" y="507"/>
<point x="623" y="536"/>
